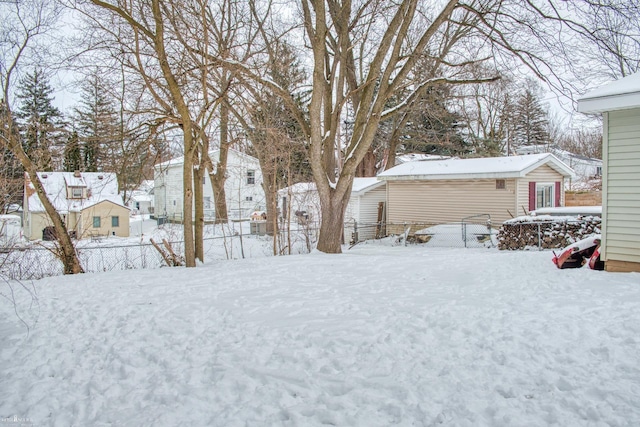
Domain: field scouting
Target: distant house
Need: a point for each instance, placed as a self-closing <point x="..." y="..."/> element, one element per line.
<point x="299" y="202"/>
<point x="88" y="202"/>
<point x="364" y="207"/>
<point x="141" y="199"/>
<point x="586" y="168"/>
<point x="434" y="192"/>
<point x="243" y="187"/>
<point x="619" y="103"/>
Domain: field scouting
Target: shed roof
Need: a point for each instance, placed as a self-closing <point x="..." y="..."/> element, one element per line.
<point x="618" y="95"/>
<point x="481" y="168"/>
<point x="364" y="185"/>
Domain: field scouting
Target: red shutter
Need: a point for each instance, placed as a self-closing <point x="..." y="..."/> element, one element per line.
<point x="532" y="196"/>
<point x="557" y="194"/>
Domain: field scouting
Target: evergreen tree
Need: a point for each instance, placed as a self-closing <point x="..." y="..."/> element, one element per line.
<point x="41" y="124"/>
<point x="98" y="123"/>
<point x="531" y="123"/>
<point x="72" y="154"/>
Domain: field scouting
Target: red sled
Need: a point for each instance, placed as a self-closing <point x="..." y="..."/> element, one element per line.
<point x="580" y="253"/>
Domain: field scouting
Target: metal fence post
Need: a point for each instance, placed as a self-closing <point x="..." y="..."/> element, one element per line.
<point x="355" y="232"/>
<point x="539" y="238"/>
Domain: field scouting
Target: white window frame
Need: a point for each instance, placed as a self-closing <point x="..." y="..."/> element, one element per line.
<point x="75" y="195"/>
<point x="552" y="194"/>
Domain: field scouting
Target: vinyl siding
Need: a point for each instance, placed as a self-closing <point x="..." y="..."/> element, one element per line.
<point x="446" y="201"/>
<point x="364" y="210"/>
<point x="542" y="174"/>
<point x="169" y="189"/>
<point x="622" y="188"/>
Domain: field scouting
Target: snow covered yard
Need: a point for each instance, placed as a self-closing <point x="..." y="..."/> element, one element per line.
<point x="376" y="336"/>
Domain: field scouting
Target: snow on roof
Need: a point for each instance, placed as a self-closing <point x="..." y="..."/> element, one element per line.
<point x="300" y="187"/>
<point x="212" y="153"/>
<point x="100" y="187"/>
<point x="412" y="157"/>
<point x="362" y="185"/>
<point x="618" y="95"/>
<point x="480" y="168"/>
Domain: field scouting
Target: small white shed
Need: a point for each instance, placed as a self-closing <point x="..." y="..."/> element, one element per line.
<point x="619" y="103"/>
<point x="368" y="196"/>
<point x="10" y="230"/>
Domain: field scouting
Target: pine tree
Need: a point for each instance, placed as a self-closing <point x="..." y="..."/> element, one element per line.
<point x="72" y="154"/>
<point x="41" y="124"/>
<point x="531" y="123"/>
<point x="98" y="123"/>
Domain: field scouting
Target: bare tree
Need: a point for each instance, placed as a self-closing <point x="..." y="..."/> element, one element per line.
<point x="148" y="37"/>
<point x="26" y="22"/>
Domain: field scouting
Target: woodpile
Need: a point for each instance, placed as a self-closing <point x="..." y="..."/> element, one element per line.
<point x="548" y="233"/>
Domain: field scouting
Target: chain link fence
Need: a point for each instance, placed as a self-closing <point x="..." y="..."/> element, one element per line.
<point x="252" y="241"/>
<point x="39" y="260"/>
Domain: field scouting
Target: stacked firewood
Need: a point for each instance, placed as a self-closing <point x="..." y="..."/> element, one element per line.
<point x="546" y="233"/>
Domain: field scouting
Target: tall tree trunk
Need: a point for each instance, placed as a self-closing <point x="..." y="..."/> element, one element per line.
<point x="198" y="193"/>
<point x="218" y="177"/>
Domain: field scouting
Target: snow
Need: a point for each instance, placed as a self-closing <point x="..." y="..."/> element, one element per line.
<point x="626" y="85"/>
<point x="569" y="211"/>
<point x="376" y="336"/>
<point x="100" y="186"/>
<point x="488" y="167"/>
<point x="618" y="95"/>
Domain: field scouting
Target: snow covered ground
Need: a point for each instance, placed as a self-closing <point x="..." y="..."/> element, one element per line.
<point x="377" y="336"/>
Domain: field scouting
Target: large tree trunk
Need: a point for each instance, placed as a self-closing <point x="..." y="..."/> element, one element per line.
<point x="219" y="177"/>
<point x="332" y="222"/>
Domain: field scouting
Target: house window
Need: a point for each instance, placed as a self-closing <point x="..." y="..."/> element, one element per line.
<point x="251" y="177"/>
<point x="96" y="222"/>
<point x="501" y="184"/>
<point x="115" y="221"/>
<point x="137" y="206"/>
<point x="598" y="170"/>
<point x="76" y="192"/>
<point x="248" y="199"/>
<point x="544" y="195"/>
<point x="206" y="201"/>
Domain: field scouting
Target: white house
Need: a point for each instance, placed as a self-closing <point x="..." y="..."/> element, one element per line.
<point x="88" y="202"/>
<point x="619" y="103"/>
<point x="141" y="199"/>
<point x="300" y="201"/>
<point x="243" y="187"/>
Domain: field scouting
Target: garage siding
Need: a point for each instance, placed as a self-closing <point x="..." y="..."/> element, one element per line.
<point x="542" y="174"/>
<point x="622" y="176"/>
<point x="444" y="201"/>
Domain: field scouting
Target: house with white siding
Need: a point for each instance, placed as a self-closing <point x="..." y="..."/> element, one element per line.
<point x="243" y="187"/>
<point x="446" y="191"/>
<point x="619" y="104"/>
